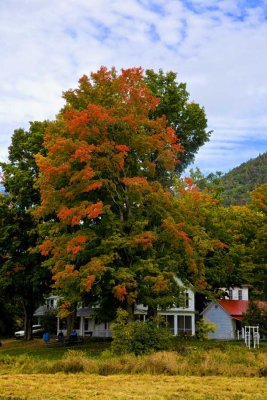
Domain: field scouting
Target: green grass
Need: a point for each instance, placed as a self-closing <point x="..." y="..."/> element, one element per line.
<point x="38" y="350"/>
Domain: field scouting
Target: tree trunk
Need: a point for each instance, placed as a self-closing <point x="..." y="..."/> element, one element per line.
<point x="28" y="319"/>
<point x="130" y="310"/>
<point x="151" y="313"/>
<point x="71" y="321"/>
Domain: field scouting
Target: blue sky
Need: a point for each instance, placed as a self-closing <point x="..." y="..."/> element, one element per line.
<point x="218" y="47"/>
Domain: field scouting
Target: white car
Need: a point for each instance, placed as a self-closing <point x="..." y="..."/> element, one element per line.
<point x="37" y="330"/>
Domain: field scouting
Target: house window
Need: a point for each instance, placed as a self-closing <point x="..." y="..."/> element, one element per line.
<point x="185" y="324"/>
<point x="168" y="322"/>
<point x="50" y="303"/>
<point x="230" y="294"/>
<point x="186" y="300"/>
<point x="240" y="294"/>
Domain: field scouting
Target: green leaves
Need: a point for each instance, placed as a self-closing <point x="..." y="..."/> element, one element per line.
<point x="188" y="119"/>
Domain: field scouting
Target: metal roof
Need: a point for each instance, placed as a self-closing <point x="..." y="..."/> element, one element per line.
<point x="236" y="308"/>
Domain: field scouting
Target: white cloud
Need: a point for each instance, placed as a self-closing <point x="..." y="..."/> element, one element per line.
<point x="217" y="47"/>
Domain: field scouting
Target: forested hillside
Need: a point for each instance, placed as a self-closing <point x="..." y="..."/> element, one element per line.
<point x="243" y="179"/>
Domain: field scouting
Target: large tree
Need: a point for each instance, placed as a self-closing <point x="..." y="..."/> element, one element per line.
<point x="21" y="276"/>
<point x="113" y="230"/>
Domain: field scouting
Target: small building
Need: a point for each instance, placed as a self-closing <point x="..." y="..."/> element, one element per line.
<point x="227" y="315"/>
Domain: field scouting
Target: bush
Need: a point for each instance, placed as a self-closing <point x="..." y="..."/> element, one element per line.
<point x="138" y="337"/>
<point x="203" y="328"/>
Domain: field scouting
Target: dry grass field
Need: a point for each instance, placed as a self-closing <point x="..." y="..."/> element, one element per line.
<point x="196" y="371"/>
<point x="134" y="387"/>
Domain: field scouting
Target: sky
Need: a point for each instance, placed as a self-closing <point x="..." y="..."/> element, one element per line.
<point x="217" y="47"/>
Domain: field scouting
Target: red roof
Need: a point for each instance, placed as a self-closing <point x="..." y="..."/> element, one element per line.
<point x="236" y="308"/>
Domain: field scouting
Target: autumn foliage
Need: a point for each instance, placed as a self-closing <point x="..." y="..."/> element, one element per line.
<point x="107" y="208"/>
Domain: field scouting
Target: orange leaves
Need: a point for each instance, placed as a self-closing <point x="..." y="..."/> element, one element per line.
<point x="83" y="175"/>
<point x="66" y="276"/>
<point x="82" y="153"/>
<point x="145" y="239"/>
<point x="136" y="181"/>
<point x="99" y="114"/>
<point x="92" y="186"/>
<point x="88" y="283"/>
<point x="46" y="247"/>
<point x="94" y="210"/>
<point x="64" y="213"/>
<point x="49" y="170"/>
<point x="75" y="244"/>
<point x="160" y="284"/>
<point x="174" y="229"/>
<point x="120" y="292"/>
<point x="92" y="270"/>
<point x="76" y="119"/>
<point x="189" y="182"/>
<point x="74" y="216"/>
<point x="122" y="147"/>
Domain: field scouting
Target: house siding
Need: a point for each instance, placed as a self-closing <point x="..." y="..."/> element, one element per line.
<point x="237" y="293"/>
<point x="222" y="320"/>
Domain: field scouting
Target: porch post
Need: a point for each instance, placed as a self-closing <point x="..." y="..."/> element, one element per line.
<point x="193" y="325"/>
<point x="175" y="326"/>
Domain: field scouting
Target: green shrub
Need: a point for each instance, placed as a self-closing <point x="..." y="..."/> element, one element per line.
<point x="138" y="337"/>
<point x="203" y="328"/>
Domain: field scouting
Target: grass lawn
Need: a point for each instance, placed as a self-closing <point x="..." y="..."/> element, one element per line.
<point x="145" y="387"/>
<point x="37" y="349"/>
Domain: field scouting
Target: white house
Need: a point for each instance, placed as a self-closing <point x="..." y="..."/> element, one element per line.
<point x="180" y="320"/>
<point x="237" y="293"/>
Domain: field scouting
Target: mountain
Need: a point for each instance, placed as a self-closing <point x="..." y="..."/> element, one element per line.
<point x="243" y="179"/>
